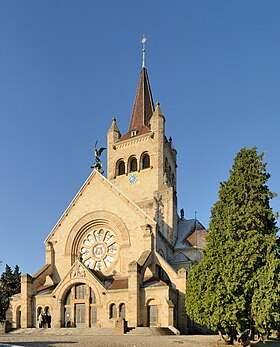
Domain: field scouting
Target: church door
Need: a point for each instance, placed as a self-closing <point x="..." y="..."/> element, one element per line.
<point x="153" y="316"/>
<point x="80" y="315"/>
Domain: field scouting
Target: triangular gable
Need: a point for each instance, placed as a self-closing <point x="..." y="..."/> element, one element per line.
<point x="179" y="258"/>
<point x="103" y="180"/>
<point x="78" y="271"/>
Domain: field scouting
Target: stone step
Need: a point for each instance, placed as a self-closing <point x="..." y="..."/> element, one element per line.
<point x="64" y="331"/>
<point x="147" y="331"/>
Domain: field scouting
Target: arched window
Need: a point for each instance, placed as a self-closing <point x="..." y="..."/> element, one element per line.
<point x="122" y="311"/>
<point x="92" y="296"/>
<point x="67" y="298"/>
<point x="113" y="311"/>
<point x="39" y="311"/>
<point x="120" y="168"/>
<point x="81" y="290"/>
<point x="132" y="164"/>
<point x="145" y="161"/>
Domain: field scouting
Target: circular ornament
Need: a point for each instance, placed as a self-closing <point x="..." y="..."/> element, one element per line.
<point x="99" y="249"/>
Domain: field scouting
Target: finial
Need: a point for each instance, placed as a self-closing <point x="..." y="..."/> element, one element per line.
<point x="144" y="40"/>
<point x="182" y="213"/>
<point x="114" y="119"/>
<point x="157" y="103"/>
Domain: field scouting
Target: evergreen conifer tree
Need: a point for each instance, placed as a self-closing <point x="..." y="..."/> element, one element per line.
<point x="9" y="285"/>
<point x="236" y="288"/>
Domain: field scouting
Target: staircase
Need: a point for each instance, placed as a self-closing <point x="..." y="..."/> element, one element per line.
<point x="147" y="331"/>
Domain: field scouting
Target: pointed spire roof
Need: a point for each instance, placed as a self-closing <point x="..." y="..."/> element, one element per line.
<point x="143" y="108"/>
<point x="114" y="126"/>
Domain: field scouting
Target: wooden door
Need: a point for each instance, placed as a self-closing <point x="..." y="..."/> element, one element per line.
<point x="80" y="315"/>
<point x="153" y="316"/>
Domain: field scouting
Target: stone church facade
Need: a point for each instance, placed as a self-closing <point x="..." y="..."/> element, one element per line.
<point x="120" y="249"/>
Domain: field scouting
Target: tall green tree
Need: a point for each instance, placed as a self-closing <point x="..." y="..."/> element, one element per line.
<point x="9" y="285"/>
<point x="235" y="289"/>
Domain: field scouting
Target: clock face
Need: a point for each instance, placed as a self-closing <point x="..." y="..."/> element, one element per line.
<point x="99" y="249"/>
<point x="132" y="178"/>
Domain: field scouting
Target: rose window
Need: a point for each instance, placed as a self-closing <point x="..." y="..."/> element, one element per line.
<point x="99" y="249"/>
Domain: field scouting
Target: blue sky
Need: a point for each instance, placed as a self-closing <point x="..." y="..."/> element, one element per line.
<point x="67" y="67"/>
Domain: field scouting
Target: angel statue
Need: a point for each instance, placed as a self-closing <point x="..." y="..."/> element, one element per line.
<point x="98" y="163"/>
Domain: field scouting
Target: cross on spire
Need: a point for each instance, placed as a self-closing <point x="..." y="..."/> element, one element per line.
<point x="144" y="40"/>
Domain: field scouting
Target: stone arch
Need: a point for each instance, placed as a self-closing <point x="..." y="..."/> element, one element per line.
<point x="68" y="313"/>
<point x="120" y="167"/>
<point x="148" y="273"/>
<point x="145" y="161"/>
<point x="95" y="219"/>
<point x="152" y="300"/>
<point x="122" y="310"/>
<point x="61" y="295"/>
<point x="112" y="310"/>
<point x="132" y="165"/>
<point x="153" y="310"/>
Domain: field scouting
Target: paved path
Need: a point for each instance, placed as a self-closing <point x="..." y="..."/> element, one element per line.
<point x="103" y="341"/>
<point x="116" y="341"/>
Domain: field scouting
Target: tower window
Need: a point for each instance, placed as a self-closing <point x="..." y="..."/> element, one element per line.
<point x="134" y="133"/>
<point x="132" y="165"/>
<point x="145" y="161"/>
<point x="120" y="168"/>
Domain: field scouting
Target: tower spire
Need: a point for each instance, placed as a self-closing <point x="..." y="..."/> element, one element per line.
<point x="144" y="40"/>
<point x="143" y="108"/>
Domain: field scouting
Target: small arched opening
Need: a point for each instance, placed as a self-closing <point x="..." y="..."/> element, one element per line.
<point x="145" y="161"/>
<point x="113" y="311"/>
<point x="39" y="317"/>
<point x="18" y="317"/>
<point x="122" y="310"/>
<point x="132" y="164"/>
<point x="152" y="313"/>
<point x="120" y="170"/>
<point x="47" y="318"/>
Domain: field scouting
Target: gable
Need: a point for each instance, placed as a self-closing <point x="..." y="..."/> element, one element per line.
<point x="98" y="194"/>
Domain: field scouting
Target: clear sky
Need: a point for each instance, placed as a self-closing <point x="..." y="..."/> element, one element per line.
<point x="67" y="67"/>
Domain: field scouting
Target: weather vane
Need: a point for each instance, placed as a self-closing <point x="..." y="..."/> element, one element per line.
<point x="144" y="40"/>
<point x="98" y="163"/>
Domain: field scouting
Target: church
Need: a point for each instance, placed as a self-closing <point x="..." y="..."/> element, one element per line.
<point x="120" y="249"/>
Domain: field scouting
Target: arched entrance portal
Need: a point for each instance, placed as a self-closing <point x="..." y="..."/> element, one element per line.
<point x="152" y="315"/>
<point x="80" y="307"/>
<point x="18" y="317"/>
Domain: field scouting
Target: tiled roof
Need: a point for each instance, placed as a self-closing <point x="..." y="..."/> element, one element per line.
<point x="153" y="282"/>
<point x="179" y="258"/>
<point x="46" y="289"/>
<point x="191" y="233"/>
<point x="143" y="108"/>
<point x="121" y="283"/>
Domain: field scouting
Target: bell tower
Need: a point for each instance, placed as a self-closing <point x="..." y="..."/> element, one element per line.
<point x="142" y="162"/>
